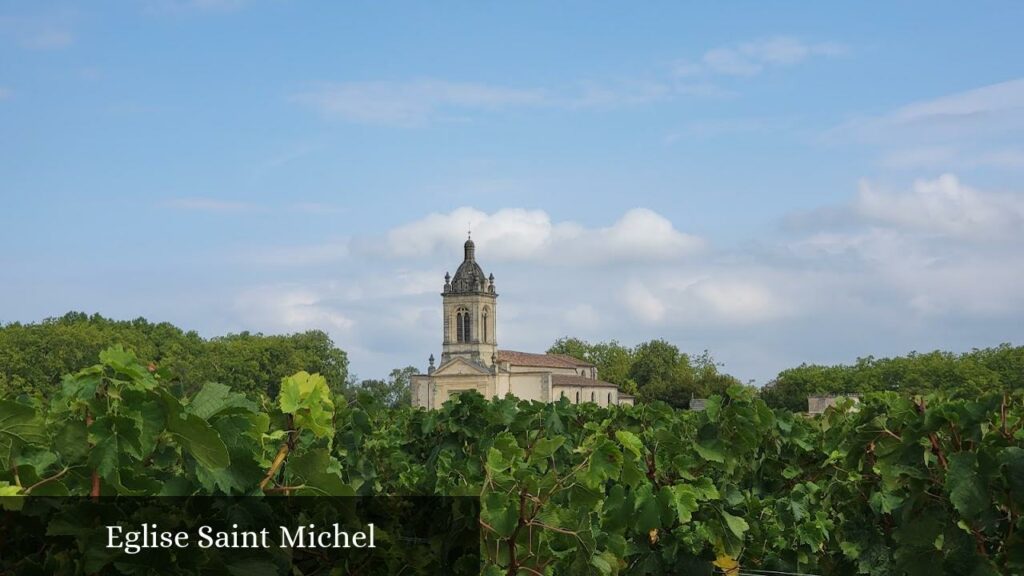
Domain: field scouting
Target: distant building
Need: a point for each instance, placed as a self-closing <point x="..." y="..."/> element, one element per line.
<point x="471" y="360"/>
<point x="698" y="403"/>
<point x="819" y="403"/>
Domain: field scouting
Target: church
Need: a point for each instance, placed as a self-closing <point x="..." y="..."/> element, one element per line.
<point x="471" y="359"/>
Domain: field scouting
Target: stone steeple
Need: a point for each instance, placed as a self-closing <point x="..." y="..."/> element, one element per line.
<point x="470" y="311"/>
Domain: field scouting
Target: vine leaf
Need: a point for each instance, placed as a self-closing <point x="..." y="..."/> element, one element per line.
<point x="966" y="491"/>
<point x="19" y="424"/>
<point x="196" y="435"/>
<point x="307" y="397"/>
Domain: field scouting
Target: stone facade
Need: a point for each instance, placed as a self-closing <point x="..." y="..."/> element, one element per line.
<point x="818" y="404"/>
<point x="471" y="360"/>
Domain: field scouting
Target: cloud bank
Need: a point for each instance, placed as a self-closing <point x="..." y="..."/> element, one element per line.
<point x="931" y="255"/>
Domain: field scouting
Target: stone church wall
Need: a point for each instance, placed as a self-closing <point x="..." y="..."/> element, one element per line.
<point x="530" y="386"/>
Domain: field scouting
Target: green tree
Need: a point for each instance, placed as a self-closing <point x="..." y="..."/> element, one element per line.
<point x="708" y="380"/>
<point x="613" y="360"/>
<point x="396" y="391"/>
<point x="664" y="373"/>
<point x="571" y="346"/>
<point x="36" y="356"/>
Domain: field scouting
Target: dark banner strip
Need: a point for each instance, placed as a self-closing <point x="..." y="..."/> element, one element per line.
<point x="243" y="536"/>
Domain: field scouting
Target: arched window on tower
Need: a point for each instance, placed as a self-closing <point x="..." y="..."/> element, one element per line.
<point x="609" y="398"/>
<point x="593" y="397"/>
<point x="462" y="325"/>
<point x="483" y="326"/>
<point x="577" y="397"/>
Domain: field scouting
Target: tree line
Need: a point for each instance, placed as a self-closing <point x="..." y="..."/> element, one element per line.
<point x="658" y="370"/>
<point x="34" y="355"/>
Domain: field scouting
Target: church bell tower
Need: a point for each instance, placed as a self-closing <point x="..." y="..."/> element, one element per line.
<point x="470" y="312"/>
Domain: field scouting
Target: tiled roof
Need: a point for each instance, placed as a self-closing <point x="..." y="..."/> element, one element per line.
<point x="566" y="380"/>
<point x="538" y="360"/>
<point x="575" y="361"/>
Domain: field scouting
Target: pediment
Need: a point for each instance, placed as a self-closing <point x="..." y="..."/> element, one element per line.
<point x="459" y="365"/>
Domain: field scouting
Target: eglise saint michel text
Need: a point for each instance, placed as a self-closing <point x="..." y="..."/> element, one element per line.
<point x="150" y="536"/>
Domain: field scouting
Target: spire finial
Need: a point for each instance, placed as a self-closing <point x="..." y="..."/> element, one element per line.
<point x="469" y="248"/>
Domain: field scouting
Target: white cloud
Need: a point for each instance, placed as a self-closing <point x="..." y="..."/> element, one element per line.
<point x="290" y="308"/>
<point x="200" y="204"/>
<point x="519" y="234"/>
<point x="49" y="31"/>
<point x="317" y="208"/>
<point x="911" y="268"/>
<point x="709" y="296"/>
<point x="977" y="128"/>
<point x="49" y="39"/>
<point x="926" y="157"/>
<point x="412" y="103"/>
<point x="184" y="6"/>
<point x="582" y="317"/>
<point x="972" y="106"/>
<point x="1005" y="158"/>
<point x="943" y="206"/>
<point x="737" y="300"/>
<point x="418" y="102"/>
<point x="310" y="255"/>
<point x="752" y="58"/>
<point x="640" y="301"/>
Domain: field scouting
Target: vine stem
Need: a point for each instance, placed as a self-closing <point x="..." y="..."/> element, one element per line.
<point x="1002" y="417"/>
<point x="95" y="491"/>
<point x="44" y="481"/>
<point x="934" y="441"/>
<point x="279" y="459"/>
<point x="282" y="453"/>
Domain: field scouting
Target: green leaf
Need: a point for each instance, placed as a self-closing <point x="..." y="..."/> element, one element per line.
<point x="201" y="441"/>
<point x="713" y="407"/>
<point x="630" y="441"/>
<point x="605" y="464"/>
<point x="307" y="397"/>
<point x="684" y="499"/>
<point x="19" y="425"/>
<point x="738" y="526"/>
<point x="966" y="490"/>
<point x="195" y="434"/>
<point x="10" y="497"/>
<point x="113" y="437"/>
<point x="545" y="447"/>
<point x="1012" y="458"/>
<point x="710" y="450"/>
<point x="320" y="473"/>
<point x="500" y="513"/>
<point x="214" y="398"/>
<point x="604" y="563"/>
<point x="125" y="363"/>
<point x="647" y="515"/>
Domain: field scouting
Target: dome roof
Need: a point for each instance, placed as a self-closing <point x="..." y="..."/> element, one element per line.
<point x="469" y="277"/>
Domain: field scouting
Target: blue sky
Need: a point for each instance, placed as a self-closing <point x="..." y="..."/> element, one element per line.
<point x="775" y="182"/>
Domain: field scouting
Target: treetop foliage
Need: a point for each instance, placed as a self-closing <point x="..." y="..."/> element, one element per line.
<point x="658" y="370"/>
<point x="653" y="370"/>
<point x="964" y="375"/>
<point x="35" y="356"/>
